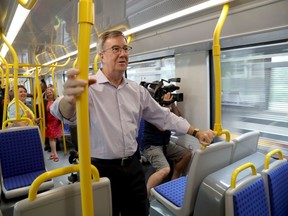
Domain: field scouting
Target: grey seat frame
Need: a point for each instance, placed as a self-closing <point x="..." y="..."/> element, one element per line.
<point x="66" y="201"/>
<point x="204" y="162"/>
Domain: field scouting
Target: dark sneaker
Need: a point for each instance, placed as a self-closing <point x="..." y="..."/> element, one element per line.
<point x="73" y="156"/>
<point x="73" y="178"/>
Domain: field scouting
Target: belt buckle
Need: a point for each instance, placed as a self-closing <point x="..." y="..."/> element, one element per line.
<point x="123" y="160"/>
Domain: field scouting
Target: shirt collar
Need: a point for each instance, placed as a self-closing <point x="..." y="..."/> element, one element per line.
<point x="101" y="78"/>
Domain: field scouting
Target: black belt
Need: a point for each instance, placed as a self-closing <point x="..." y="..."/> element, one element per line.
<point x="120" y="161"/>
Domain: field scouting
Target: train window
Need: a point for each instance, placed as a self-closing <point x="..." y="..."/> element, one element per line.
<point x="152" y="70"/>
<point x="255" y="93"/>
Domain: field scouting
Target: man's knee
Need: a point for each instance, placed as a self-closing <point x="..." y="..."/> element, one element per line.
<point x="188" y="155"/>
<point x="164" y="171"/>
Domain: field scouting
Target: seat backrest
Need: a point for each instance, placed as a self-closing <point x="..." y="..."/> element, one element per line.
<point x="212" y="190"/>
<point x="21" y="151"/>
<point x="276" y="181"/>
<point x="205" y="162"/>
<point x="66" y="201"/>
<point x="22" y="160"/>
<point x="245" y="145"/>
<point x="66" y="130"/>
<point x="247" y="198"/>
<point x="179" y="195"/>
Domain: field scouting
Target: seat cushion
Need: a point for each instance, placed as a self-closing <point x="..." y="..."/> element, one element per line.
<point x="173" y="190"/>
<point x="19" y="181"/>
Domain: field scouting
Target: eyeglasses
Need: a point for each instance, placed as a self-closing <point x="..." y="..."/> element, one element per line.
<point x="118" y="49"/>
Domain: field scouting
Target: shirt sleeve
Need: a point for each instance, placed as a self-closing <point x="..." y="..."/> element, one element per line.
<point x="54" y="110"/>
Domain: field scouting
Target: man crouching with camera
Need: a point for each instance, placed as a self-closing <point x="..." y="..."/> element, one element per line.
<point x="158" y="149"/>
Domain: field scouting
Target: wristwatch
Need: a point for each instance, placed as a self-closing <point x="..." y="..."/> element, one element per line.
<point x="195" y="131"/>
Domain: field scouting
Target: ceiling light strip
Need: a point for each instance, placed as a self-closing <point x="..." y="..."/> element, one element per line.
<point x="16" y="24"/>
<point x="179" y="14"/>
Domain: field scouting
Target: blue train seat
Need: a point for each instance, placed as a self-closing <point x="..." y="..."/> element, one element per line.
<point x="178" y="197"/>
<point x="212" y="190"/>
<point x="66" y="130"/>
<point x="22" y="160"/>
<point x="247" y="196"/>
<point x="275" y="175"/>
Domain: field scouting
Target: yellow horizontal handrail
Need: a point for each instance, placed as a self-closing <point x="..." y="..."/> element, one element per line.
<point x="28" y="4"/>
<point x="269" y="155"/>
<point x="30" y="121"/>
<point x="55" y="173"/>
<point x="239" y="169"/>
<point x="52" y="55"/>
<point x="37" y="65"/>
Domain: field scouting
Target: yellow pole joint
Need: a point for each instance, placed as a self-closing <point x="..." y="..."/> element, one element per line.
<point x="86" y="12"/>
<point x="28" y="4"/>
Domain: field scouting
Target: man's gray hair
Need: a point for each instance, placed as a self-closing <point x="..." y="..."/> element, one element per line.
<point x="106" y="35"/>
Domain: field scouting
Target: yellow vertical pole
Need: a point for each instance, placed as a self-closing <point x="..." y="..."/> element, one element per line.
<point x="2" y="77"/>
<point x="53" y="80"/>
<point x="16" y="69"/>
<point x="41" y="109"/>
<point x="85" y="20"/>
<point x="217" y="70"/>
<point x="6" y="89"/>
<point x="35" y="95"/>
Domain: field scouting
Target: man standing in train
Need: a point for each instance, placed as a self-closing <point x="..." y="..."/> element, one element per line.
<point x="116" y="106"/>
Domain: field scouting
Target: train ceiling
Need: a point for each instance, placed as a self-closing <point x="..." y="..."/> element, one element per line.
<point x="53" y="22"/>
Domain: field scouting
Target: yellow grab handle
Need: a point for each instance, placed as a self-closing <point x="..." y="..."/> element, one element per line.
<point x="269" y="155"/>
<point x="55" y="173"/>
<point x="239" y="169"/>
<point x="15" y="119"/>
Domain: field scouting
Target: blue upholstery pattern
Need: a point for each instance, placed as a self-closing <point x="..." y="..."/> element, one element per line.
<point x="17" y="160"/>
<point x="21" y="180"/>
<point x="173" y="190"/>
<point x="66" y="130"/>
<point x="140" y="133"/>
<point x="251" y="200"/>
<point x="278" y="190"/>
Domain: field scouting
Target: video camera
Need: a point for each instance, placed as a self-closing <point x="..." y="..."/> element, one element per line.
<point x="157" y="89"/>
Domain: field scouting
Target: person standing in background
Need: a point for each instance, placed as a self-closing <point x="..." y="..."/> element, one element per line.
<point x="53" y="125"/>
